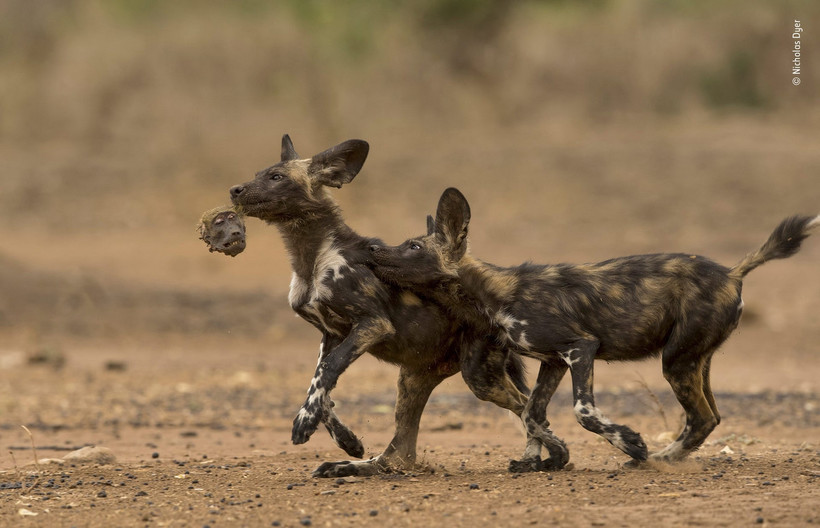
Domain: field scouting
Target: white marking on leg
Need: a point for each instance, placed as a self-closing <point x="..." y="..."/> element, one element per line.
<point x="569" y="357"/>
<point x="617" y="440"/>
<point x="318" y="394"/>
<point x="675" y="450"/>
<point x="321" y="353"/>
<point x="533" y="449"/>
<point x="585" y="410"/>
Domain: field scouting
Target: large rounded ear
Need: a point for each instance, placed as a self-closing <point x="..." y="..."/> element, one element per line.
<point x="288" y="152"/>
<point x="452" y="220"/>
<point x="340" y="164"/>
<point x="431" y="225"/>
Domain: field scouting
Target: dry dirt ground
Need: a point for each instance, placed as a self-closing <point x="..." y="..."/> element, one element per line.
<point x="204" y="442"/>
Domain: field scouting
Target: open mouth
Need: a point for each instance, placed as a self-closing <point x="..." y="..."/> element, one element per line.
<point x="231" y="249"/>
<point x="233" y="244"/>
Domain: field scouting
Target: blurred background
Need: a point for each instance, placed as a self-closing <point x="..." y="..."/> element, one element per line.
<point x="579" y="131"/>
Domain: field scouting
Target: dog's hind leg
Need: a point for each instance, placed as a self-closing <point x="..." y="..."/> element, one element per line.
<point x="686" y="368"/>
<point x="414" y="390"/>
<point x="707" y="388"/>
<point x="551" y="372"/>
<point x="580" y="357"/>
<point x="484" y="369"/>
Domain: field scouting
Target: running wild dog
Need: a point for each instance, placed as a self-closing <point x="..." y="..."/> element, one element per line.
<point x="679" y="306"/>
<point x="333" y="288"/>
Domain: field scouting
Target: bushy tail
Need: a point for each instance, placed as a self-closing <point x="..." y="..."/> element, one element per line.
<point x="784" y="242"/>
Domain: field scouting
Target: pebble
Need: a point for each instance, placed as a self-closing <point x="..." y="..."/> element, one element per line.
<point x="91" y="455"/>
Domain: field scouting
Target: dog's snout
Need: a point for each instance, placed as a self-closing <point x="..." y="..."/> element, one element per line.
<point x="236" y="190"/>
<point x="236" y="233"/>
<point x="374" y="248"/>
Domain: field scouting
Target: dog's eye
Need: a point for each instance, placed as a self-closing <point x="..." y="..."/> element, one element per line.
<point x="276" y="176"/>
<point x="231" y="216"/>
<point x="218" y="221"/>
<point x="415" y="247"/>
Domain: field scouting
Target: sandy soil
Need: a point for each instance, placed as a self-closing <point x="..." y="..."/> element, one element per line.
<point x="200" y="429"/>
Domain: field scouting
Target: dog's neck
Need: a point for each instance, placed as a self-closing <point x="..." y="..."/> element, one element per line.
<point x="305" y="235"/>
<point x="479" y="292"/>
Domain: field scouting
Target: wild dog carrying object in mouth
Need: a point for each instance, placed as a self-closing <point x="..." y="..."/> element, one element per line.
<point x="333" y="288"/>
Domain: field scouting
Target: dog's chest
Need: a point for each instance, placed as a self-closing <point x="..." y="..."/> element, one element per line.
<point x="311" y="297"/>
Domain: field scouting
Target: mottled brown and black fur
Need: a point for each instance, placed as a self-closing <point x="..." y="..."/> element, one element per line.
<point x="334" y="289"/>
<point x="679" y="306"/>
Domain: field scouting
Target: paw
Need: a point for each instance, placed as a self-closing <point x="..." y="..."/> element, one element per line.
<point x="526" y="465"/>
<point x="532" y="465"/>
<point x="347" y="468"/>
<point x="635" y="446"/>
<point x="559" y="455"/>
<point x="668" y="456"/>
<point x="304" y="425"/>
<point x="629" y="442"/>
<point x="635" y="464"/>
<point x="345" y="438"/>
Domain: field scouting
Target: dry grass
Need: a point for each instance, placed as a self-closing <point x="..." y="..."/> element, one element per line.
<point x="657" y="406"/>
<point x="578" y="133"/>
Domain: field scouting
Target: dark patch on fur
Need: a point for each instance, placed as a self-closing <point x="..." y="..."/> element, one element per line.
<point x="676" y="305"/>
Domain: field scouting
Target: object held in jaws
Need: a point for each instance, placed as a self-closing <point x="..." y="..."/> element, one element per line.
<point x="223" y="230"/>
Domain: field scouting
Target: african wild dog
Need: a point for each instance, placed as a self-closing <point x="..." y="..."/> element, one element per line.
<point x="679" y="306"/>
<point x="333" y="288"/>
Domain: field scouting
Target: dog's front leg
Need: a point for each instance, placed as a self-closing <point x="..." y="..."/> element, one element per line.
<point x="341" y="434"/>
<point x="363" y="335"/>
<point x="537" y="425"/>
<point x="414" y="389"/>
